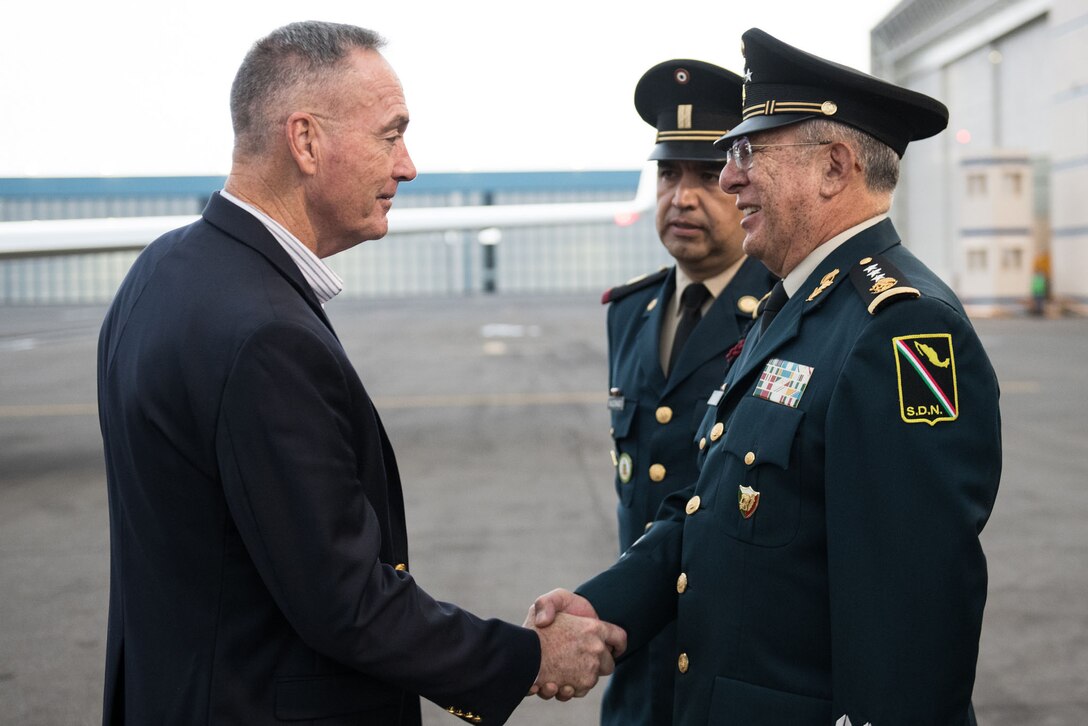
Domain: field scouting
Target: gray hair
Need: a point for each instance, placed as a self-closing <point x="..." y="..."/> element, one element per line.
<point x="298" y="56"/>
<point x="879" y="162"/>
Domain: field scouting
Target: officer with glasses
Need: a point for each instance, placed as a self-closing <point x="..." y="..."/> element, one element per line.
<point x="826" y="566"/>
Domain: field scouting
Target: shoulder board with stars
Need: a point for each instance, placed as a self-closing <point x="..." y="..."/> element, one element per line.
<point x="879" y="283"/>
<point x="633" y="285"/>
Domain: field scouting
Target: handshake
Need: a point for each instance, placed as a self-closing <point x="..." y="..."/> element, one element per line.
<point x="576" y="647"/>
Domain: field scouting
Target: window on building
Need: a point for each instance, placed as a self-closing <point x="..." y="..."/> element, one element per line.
<point x="1014" y="183"/>
<point x="976" y="185"/>
<point x="976" y="260"/>
<point x="1012" y="258"/>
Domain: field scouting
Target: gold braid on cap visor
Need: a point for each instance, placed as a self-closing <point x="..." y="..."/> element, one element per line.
<point x="690" y="135"/>
<point x="770" y="108"/>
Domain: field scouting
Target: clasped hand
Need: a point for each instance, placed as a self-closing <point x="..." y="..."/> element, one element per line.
<point x="576" y="647"/>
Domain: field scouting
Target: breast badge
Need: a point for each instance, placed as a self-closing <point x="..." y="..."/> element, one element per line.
<point x="747" y="501"/>
<point x="624" y="468"/>
<point x="926" y="371"/>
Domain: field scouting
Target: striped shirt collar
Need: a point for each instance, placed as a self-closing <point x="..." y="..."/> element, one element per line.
<point x="325" y="283"/>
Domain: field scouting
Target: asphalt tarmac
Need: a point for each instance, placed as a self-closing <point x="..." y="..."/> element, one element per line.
<point x="496" y="408"/>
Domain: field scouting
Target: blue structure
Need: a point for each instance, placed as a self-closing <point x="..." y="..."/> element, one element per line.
<point x="568" y="258"/>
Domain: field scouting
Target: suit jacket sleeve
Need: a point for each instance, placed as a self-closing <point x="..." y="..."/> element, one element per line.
<point x="905" y="505"/>
<point x="292" y="457"/>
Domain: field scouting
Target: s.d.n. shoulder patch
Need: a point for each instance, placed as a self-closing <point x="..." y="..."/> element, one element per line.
<point x="879" y="283"/>
<point x="926" y="369"/>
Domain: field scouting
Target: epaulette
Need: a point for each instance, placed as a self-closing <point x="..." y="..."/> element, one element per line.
<point x="880" y="283"/>
<point x="633" y="285"/>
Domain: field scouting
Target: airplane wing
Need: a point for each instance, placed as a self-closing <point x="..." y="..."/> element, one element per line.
<point x="39" y="238"/>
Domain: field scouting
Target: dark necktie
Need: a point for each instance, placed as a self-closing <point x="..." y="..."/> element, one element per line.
<point x="691" y="311"/>
<point x="774" y="303"/>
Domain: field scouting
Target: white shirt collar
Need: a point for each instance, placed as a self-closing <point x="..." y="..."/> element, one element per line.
<point x="325" y="283"/>
<point x="715" y="284"/>
<point x="799" y="274"/>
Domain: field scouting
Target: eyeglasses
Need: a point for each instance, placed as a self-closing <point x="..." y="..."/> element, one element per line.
<point x="742" y="152"/>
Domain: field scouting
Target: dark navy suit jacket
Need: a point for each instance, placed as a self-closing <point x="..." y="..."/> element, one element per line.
<point x="654" y="420"/>
<point x="258" y="547"/>
<point x="854" y="585"/>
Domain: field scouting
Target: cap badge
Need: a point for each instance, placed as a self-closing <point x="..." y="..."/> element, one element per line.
<point x="683" y="116"/>
<point x="828" y="108"/>
<point x="747" y="501"/>
<point x="681" y="76"/>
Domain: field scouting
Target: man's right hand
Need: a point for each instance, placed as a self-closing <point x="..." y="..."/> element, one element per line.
<point x="576" y="647"/>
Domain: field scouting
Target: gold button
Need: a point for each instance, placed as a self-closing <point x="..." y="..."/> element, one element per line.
<point x="702" y="443"/>
<point x="682" y="583"/>
<point x="693" y="505"/>
<point x="664" y="415"/>
<point x="717" y="431"/>
<point x="657" y="473"/>
<point x="682" y="663"/>
<point x="750" y="458"/>
<point x="401" y="567"/>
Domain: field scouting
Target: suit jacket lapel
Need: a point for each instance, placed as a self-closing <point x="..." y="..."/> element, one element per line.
<point x="713" y="336"/>
<point x="760" y="345"/>
<point x="250" y="231"/>
<point x="649" y="346"/>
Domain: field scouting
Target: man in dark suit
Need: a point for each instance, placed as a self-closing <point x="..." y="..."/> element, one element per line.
<point x="669" y="334"/>
<point x="259" y="563"/>
<point x="826" y="567"/>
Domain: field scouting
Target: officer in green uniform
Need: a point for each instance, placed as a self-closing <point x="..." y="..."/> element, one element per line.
<point x="669" y="334"/>
<point x="826" y="567"/>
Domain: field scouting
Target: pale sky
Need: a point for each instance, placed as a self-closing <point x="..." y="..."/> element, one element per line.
<point x="140" y="87"/>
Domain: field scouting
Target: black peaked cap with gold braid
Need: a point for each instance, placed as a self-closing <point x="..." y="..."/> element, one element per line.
<point x="784" y="85"/>
<point x="691" y="104"/>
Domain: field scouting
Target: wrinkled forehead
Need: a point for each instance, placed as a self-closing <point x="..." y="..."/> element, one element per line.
<point x="367" y="84"/>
